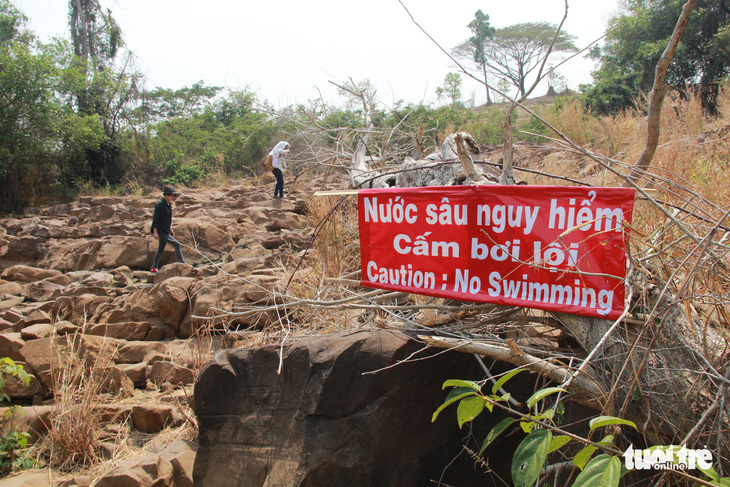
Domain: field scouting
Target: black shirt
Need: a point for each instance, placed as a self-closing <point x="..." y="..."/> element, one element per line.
<point x="162" y="219"/>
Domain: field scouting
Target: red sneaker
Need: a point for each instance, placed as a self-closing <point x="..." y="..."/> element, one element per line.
<point x="153" y="270"/>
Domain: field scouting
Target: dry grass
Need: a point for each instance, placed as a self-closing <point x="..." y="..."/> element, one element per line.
<point x="82" y="379"/>
<point x="337" y="250"/>
<point x="572" y="120"/>
<point x="89" y="430"/>
<point x="693" y="149"/>
<point x="335" y="253"/>
<point x="689" y="168"/>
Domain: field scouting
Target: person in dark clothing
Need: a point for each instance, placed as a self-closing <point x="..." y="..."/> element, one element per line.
<point x="161" y="228"/>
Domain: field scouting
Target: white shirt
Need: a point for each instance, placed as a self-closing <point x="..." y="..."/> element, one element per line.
<point x="278" y="152"/>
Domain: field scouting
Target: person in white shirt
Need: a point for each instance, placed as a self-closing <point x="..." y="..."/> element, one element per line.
<point x="279" y="164"/>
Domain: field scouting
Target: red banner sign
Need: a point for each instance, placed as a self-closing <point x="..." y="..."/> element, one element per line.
<point x="546" y="247"/>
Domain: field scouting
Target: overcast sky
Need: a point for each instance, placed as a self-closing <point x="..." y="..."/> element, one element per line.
<point x="287" y="51"/>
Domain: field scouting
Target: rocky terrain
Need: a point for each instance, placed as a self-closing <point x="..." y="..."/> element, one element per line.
<point x="208" y="373"/>
<point x="77" y="302"/>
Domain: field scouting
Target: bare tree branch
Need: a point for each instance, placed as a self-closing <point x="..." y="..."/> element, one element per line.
<point x="659" y="91"/>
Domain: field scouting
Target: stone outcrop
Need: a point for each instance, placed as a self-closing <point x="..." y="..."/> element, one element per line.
<point x="74" y="279"/>
<point x="345" y="409"/>
<point x="84" y="263"/>
<point x="110" y="232"/>
<point x="170" y="467"/>
<point x="27" y="479"/>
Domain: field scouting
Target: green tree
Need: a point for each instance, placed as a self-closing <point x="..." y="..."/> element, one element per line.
<point x="164" y="104"/>
<point x="482" y="32"/>
<point x="30" y="115"/>
<point x="47" y="142"/>
<point x="227" y="136"/>
<point x="451" y="89"/>
<point x="638" y="35"/>
<point x="103" y="85"/>
<point x="12" y="25"/>
<point x="514" y="52"/>
<point x="611" y="92"/>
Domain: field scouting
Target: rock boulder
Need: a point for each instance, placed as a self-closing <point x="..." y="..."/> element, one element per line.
<point x="346" y="409"/>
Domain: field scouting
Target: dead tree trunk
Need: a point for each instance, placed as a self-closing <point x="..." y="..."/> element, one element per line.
<point x="508" y="173"/>
<point x="658" y="93"/>
<point x="361" y="174"/>
<point x="467" y="163"/>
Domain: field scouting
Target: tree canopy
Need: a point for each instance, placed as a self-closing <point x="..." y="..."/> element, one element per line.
<point x="74" y="114"/>
<point x="164" y="103"/>
<point x="636" y="39"/>
<point x="515" y="51"/>
<point x="451" y="89"/>
<point x="482" y="31"/>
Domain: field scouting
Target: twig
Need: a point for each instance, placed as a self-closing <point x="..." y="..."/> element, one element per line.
<point x="491" y="378"/>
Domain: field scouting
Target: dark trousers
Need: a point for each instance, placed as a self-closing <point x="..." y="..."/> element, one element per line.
<point x="279" y="188"/>
<point x="164" y="239"/>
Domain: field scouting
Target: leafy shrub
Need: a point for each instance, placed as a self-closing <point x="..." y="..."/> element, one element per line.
<point x="611" y="94"/>
<point x="13" y="443"/>
<point x="183" y="174"/>
<point x="540" y="426"/>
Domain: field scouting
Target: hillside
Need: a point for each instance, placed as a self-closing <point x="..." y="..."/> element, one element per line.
<point x="78" y="306"/>
<point x="114" y="351"/>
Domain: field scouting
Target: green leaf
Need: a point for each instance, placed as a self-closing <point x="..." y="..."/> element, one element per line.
<point x="609" y="420"/>
<point x="606" y="441"/>
<point x="469" y="408"/>
<point x="541" y="394"/>
<point x="710" y="472"/>
<point x="25" y="463"/>
<point x="602" y="471"/>
<point x="527" y="426"/>
<point x="581" y="458"/>
<point x="549" y="414"/>
<point x="459" y="392"/>
<point x="453" y="396"/>
<point x="503" y="380"/>
<point x="23" y="376"/>
<point x="530" y="457"/>
<point x="585" y="454"/>
<point x="559" y="442"/>
<point x="462" y="383"/>
<point x="495" y="432"/>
